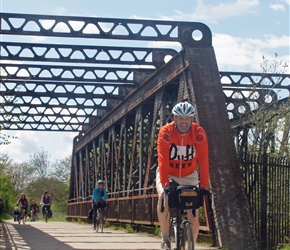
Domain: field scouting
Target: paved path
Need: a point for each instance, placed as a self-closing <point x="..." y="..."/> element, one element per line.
<point x="68" y="235"/>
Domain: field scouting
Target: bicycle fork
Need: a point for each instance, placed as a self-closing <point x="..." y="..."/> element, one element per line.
<point x="176" y="227"/>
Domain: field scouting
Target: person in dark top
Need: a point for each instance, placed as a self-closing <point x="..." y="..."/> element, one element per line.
<point x="23" y="202"/>
<point x="46" y="201"/>
<point x="33" y="209"/>
<point x="16" y="213"/>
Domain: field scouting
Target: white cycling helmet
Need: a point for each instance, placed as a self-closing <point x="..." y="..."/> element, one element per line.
<point x="100" y="182"/>
<point x="183" y="109"/>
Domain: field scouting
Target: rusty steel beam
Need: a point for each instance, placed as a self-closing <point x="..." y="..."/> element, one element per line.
<point x="152" y="137"/>
<point x="231" y="206"/>
<point x="147" y="89"/>
<point x="202" y="86"/>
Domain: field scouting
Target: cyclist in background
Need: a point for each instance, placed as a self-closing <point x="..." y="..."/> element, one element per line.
<point x="23" y="202"/>
<point x="46" y="200"/>
<point x="183" y="156"/>
<point x="33" y="210"/>
<point x="16" y="213"/>
<point x="99" y="198"/>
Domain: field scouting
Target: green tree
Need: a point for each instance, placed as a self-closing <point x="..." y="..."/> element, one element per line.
<point x="270" y="122"/>
<point x="20" y="174"/>
<point x="40" y="164"/>
<point x="62" y="169"/>
<point x="6" y="193"/>
<point x="57" y="189"/>
<point x="6" y="186"/>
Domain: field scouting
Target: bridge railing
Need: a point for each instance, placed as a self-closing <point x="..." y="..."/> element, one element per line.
<point x="133" y="209"/>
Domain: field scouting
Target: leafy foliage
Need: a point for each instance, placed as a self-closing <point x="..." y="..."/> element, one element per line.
<point x="270" y="122"/>
<point x="6" y="193"/>
<point x="5" y="139"/>
<point x="39" y="162"/>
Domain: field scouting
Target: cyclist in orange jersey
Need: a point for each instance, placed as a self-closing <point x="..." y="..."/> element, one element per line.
<point x="183" y="156"/>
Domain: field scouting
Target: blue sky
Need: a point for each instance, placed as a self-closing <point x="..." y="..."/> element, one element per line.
<point x="243" y="31"/>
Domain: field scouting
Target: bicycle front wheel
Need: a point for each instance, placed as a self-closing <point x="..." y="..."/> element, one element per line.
<point x="100" y="224"/>
<point x="46" y="216"/>
<point x="187" y="242"/>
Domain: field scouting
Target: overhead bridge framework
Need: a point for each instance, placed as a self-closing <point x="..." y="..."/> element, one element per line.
<point x="109" y="80"/>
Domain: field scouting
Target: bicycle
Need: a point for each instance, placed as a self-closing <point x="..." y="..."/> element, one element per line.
<point x="100" y="220"/>
<point x="22" y="216"/>
<point x="34" y="215"/>
<point x="46" y="211"/>
<point x="182" y="198"/>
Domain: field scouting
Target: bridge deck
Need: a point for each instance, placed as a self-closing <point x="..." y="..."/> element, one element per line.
<point x="67" y="235"/>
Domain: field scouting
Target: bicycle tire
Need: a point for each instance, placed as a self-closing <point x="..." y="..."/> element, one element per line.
<point x="46" y="216"/>
<point x="187" y="242"/>
<point x="172" y="232"/>
<point x="100" y="224"/>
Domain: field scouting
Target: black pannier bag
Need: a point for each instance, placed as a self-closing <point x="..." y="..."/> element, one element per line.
<point x="184" y="197"/>
<point x="189" y="198"/>
<point x="90" y="214"/>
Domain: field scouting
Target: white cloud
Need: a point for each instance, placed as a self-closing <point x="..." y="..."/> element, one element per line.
<point x="245" y="54"/>
<point x="213" y="13"/>
<point x="57" y="144"/>
<point x="20" y="149"/>
<point x="277" y="7"/>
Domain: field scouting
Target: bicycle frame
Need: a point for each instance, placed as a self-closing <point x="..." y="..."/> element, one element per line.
<point x="179" y="206"/>
<point x="46" y="211"/>
<point x="100" y="217"/>
<point x="178" y="221"/>
<point x="22" y="215"/>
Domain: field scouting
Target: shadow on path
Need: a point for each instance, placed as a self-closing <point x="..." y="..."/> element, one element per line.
<point x="67" y="236"/>
<point x="28" y="237"/>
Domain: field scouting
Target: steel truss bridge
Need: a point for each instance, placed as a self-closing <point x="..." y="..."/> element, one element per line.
<point x="115" y="82"/>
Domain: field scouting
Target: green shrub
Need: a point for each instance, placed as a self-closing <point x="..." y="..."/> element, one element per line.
<point x="285" y="245"/>
<point x="129" y="228"/>
<point x="157" y="231"/>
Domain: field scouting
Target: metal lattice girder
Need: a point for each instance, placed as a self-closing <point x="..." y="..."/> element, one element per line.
<point x="84" y="54"/>
<point x="54" y="100"/>
<point x="69" y="73"/>
<point x="45" y="98"/>
<point x="96" y="105"/>
<point x="247" y="92"/>
<point x="107" y="28"/>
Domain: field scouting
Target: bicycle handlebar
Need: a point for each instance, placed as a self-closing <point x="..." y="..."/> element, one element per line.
<point x="173" y="187"/>
<point x="45" y="204"/>
<point x="21" y="206"/>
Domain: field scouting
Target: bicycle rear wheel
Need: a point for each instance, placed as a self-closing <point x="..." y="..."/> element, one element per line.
<point x="46" y="216"/>
<point x="100" y="224"/>
<point x="187" y="242"/>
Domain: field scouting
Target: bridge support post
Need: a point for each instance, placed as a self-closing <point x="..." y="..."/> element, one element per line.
<point x="233" y="219"/>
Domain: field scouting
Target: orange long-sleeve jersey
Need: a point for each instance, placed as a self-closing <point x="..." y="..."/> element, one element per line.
<point x="178" y="154"/>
